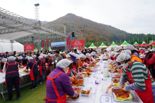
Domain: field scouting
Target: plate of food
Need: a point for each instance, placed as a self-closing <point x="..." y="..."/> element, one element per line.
<point x="77" y="90"/>
<point x="121" y="95"/>
<point x="77" y="82"/>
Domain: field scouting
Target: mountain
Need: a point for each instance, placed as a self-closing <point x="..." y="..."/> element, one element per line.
<point x="86" y="29"/>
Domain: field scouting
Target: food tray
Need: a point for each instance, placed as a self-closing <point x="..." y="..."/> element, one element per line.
<point x="117" y="99"/>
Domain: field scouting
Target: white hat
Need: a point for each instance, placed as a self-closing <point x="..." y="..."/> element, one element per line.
<point x="20" y="57"/>
<point x="49" y="54"/>
<point x="123" y="57"/>
<point x="129" y="47"/>
<point x="75" y="55"/>
<point x="68" y="56"/>
<point x="88" y="55"/>
<point x="34" y="56"/>
<point x="11" y="58"/>
<point x="63" y="63"/>
<point x="29" y="58"/>
<point x="44" y="55"/>
<point x="4" y="59"/>
<point x="117" y="48"/>
<point x="40" y="57"/>
<point x="82" y="56"/>
<point x="93" y="53"/>
<point x="126" y="51"/>
<point x="112" y="53"/>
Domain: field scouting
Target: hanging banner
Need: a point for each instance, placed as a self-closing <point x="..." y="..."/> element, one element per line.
<point x="68" y="39"/>
<point x="79" y="44"/>
<point x="43" y="43"/>
<point x="29" y="47"/>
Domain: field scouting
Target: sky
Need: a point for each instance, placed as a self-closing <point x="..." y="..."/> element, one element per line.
<point x="133" y="16"/>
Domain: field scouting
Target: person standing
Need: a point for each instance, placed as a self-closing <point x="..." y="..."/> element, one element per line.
<point x="12" y="77"/>
<point x="32" y="65"/>
<point x="58" y="84"/>
<point x="138" y="76"/>
<point x="135" y="56"/>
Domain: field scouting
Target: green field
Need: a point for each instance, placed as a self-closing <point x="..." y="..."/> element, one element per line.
<point x="35" y="95"/>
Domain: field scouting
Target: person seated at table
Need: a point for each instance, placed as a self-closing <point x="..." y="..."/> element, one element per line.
<point x="58" y="84"/>
<point x="12" y="77"/>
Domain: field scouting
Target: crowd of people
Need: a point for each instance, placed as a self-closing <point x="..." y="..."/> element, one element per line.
<point x="39" y="65"/>
<point x="136" y="66"/>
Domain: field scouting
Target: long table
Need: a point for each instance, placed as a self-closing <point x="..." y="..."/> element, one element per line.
<point x="24" y="80"/>
<point x="98" y="91"/>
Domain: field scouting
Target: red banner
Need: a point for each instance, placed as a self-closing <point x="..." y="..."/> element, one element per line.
<point x="43" y="43"/>
<point x="79" y="44"/>
<point x="28" y="47"/>
<point x="68" y="42"/>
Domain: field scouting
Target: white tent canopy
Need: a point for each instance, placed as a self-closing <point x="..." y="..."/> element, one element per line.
<point x="7" y="46"/>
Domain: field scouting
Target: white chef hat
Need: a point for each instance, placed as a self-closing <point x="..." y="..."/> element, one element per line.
<point x="29" y="58"/>
<point x="88" y="55"/>
<point x="4" y="59"/>
<point x="126" y="51"/>
<point x="75" y="55"/>
<point x="112" y="53"/>
<point x="123" y="57"/>
<point x="129" y="47"/>
<point x="40" y="57"/>
<point x="11" y="58"/>
<point x="82" y="56"/>
<point x="20" y="57"/>
<point x="117" y="48"/>
<point x="63" y="63"/>
<point x="34" y="56"/>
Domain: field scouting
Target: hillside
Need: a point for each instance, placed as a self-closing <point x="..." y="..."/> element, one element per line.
<point x="87" y="29"/>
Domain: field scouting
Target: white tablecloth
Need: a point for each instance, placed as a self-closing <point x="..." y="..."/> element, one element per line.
<point x="98" y="94"/>
<point x="21" y="74"/>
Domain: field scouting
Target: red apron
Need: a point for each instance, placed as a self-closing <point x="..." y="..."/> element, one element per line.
<point x="60" y="99"/>
<point x="32" y="73"/>
<point x="41" y="70"/>
<point x="146" y="95"/>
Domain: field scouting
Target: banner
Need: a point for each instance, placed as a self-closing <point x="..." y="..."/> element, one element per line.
<point x="79" y="44"/>
<point x="28" y="47"/>
<point x="68" y="39"/>
<point x="42" y="43"/>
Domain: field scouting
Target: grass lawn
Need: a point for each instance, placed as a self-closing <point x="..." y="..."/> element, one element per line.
<point x="29" y="95"/>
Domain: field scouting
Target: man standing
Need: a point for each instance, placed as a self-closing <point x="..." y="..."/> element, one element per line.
<point x="138" y="76"/>
<point x="12" y="77"/>
<point x="32" y="65"/>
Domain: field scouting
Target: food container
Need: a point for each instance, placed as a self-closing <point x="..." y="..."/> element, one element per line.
<point x="121" y="95"/>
